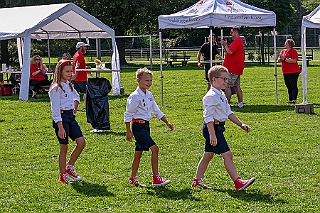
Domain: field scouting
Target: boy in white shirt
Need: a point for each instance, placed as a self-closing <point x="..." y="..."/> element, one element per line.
<point x="140" y="105"/>
<point x="216" y="112"/>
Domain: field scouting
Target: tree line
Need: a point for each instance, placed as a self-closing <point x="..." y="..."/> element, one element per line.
<point x="139" y="17"/>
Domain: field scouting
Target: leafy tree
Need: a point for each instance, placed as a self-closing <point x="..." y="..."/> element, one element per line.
<point x="2" y="3"/>
<point x="16" y="3"/>
<point x="282" y="8"/>
<point x="284" y="11"/>
<point x="310" y="5"/>
<point x="134" y="17"/>
<point x="128" y="17"/>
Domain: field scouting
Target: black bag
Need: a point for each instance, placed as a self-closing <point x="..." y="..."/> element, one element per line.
<point x="97" y="105"/>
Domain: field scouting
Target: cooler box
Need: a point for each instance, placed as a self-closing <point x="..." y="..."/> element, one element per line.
<point x="6" y="89"/>
<point x="304" y="108"/>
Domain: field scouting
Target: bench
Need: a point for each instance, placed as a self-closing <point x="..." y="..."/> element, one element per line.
<point x="309" y="57"/>
<point x="177" y="58"/>
<point x="43" y="89"/>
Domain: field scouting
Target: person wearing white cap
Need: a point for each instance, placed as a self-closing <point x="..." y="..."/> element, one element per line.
<point x="80" y="78"/>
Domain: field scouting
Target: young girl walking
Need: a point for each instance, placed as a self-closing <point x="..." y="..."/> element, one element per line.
<point x="64" y="104"/>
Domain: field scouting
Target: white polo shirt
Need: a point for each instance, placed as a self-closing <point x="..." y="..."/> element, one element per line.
<point x="215" y="106"/>
<point x="141" y="105"/>
<point x="62" y="100"/>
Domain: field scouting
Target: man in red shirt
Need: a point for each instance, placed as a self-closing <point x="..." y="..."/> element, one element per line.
<point x="80" y="78"/>
<point x="234" y="62"/>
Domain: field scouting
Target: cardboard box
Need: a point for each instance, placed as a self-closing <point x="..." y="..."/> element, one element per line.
<point x="304" y="108"/>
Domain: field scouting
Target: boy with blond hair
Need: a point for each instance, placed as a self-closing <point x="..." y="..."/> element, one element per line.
<point x="216" y="112"/>
<point x="140" y="106"/>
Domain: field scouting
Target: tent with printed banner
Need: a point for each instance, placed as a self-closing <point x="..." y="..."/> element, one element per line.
<point x="311" y="20"/>
<point x="55" y="21"/>
<point x="218" y="14"/>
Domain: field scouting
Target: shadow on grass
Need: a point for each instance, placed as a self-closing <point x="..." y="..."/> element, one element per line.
<point x="109" y="132"/>
<point x="45" y="97"/>
<point x="252" y="195"/>
<point x="112" y="97"/>
<point x="40" y="98"/>
<point x="268" y="108"/>
<point x="263" y="108"/>
<point x="163" y="192"/>
<point x="91" y="189"/>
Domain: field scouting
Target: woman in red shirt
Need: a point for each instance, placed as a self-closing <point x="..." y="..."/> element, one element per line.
<point x="290" y="69"/>
<point x="37" y="72"/>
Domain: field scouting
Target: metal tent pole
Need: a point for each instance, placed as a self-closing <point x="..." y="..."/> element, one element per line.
<point x="222" y="52"/>
<point x="49" y="55"/>
<point x="161" y="77"/>
<point x="150" y="42"/>
<point x="210" y="42"/>
<point x="275" y="62"/>
<point x="304" y="65"/>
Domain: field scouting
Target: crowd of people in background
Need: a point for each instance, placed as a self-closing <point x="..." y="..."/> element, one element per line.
<point x="234" y="62"/>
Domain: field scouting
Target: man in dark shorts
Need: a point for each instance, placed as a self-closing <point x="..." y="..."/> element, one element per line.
<point x="234" y="62"/>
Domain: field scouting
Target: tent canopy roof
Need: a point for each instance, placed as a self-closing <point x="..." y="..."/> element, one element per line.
<point x="313" y="19"/>
<point x="55" y="21"/>
<point x="218" y="13"/>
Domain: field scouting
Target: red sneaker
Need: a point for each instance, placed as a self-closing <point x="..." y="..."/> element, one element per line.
<point x="64" y="178"/>
<point x="159" y="181"/>
<point x="242" y="184"/>
<point x="70" y="171"/>
<point x="198" y="182"/>
<point x="133" y="180"/>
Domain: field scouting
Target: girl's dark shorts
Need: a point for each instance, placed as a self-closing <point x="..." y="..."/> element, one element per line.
<point x="141" y="133"/>
<point x="70" y="125"/>
<point x="222" y="145"/>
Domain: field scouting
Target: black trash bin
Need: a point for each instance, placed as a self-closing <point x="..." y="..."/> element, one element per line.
<point x="97" y="105"/>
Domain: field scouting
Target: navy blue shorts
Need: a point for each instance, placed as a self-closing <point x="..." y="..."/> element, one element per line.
<point x="141" y="133"/>
<point x="80" y="86"/>
<point x="70" y="125"/>
<point x="222" y="145"/>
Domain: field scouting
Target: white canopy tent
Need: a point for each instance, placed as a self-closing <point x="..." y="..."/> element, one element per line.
<point x="56" y="21"/>
<point x="309" y="21"/>
<point x="218" y="13"/>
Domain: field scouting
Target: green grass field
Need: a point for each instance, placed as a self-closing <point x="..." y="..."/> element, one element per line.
<point x="281" y="151"/>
